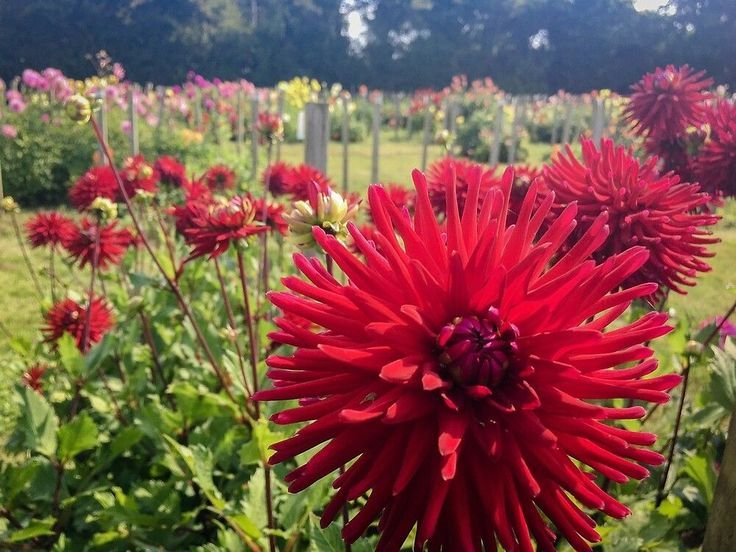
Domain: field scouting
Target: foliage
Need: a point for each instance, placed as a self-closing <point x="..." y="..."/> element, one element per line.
<point x="532" y="46"/>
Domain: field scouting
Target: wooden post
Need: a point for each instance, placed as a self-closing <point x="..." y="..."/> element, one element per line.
<point x="426" y="131"/>
<point x="161" y="95"/>
<point x="240" y="123"/>
<point x="345" y="141"/>
<point x="1" y="180"/>
<point x="518" y="104"/>
<point x="133" y="118"/>
<point x="197" y="108"/>
<point x="280" y="110"/>
<point x="720" y="534"/>
<point x="495" y="153"/>
<point x="317" y="135"/>
<point x="567" y="123"/>
<point x="397" y="116"/>
<point x="2" y="99"/>
<point x="103" y="126"/>
<point x="555" y="123"/>
<point x="452" y="111"/>
<point x="254" y="134"/>
<point x="597" y="120"/>
<point x="376" y="131"/>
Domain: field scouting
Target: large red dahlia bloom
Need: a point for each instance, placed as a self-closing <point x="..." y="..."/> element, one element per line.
<point x="715" y="166"/>
<point x="96" y="182"/>
<point x="214" y="227"/>
<point x="49" y="229"/>
<point x="170" y="171"/>
<point x="643" y="208"/>
<point x="69" y="316"/>
<point x="297" y="181"/>
<point x="440" y="175"/>
<point x="272" y="215"/>
<point x="138" y="175"/>
<point x="112" y="243"/>
<point x="219" y="177"/>
<point x="458" y="376"/>
<point x="664" y="103"/>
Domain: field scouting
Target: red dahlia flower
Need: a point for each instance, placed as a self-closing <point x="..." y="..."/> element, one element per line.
<point x="219" y="177"/>
<point x="664" y="103"/>
<point x="170" y="171"/>
<point x="643" y="208"/>
<point x="138" y="176"/>
<point x="68" y="316"/>
<point x="112" y="243"/>
<point x="524" y="175"/>
<point x="276" y="174"/>
<point x="214" y="228"/>
<point x="274" y="215"/>
<point x="49" y="229"/>
<point x="270" y="127"/>
<point x="715" y="166"/>
<point x="298" y="178"/>
<point x="33" y="377"/>
<point x="96" y="182"/>
<point x="471" y="367"/>
<point x="439" y="179"/>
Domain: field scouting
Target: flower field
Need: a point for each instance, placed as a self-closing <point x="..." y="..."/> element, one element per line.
<point x="303" y="319"/>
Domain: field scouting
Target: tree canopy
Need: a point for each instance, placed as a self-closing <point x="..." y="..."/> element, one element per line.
<point x="525" y="45"/>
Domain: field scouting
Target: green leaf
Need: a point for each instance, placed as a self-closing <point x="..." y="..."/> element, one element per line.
<point x="77" y="436"/>
<point x="36" y="528"/>
<point x="245" y="524"/>
<point x="123" y="442"/>
<point x="198" y="461"/>
<point x="71" y="358"/>
<point x="324" y="540"/>
<point x="15" y="478"/>
<point x="722" y="385"/>
<point x="38" y="422"/>
<point x="700" y="470"/>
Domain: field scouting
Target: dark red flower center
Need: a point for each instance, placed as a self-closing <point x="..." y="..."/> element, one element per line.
<point x="478" y="351"/>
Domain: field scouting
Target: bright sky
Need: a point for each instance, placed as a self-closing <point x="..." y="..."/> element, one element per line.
<point x="643" y="5"/>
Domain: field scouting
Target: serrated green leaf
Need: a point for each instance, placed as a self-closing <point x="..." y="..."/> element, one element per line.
<point x="700" y="470"/>
<point x="324" y="540"/>
<point x="38" y="423"/>
<point x="77" y="436"/>
<point x="198" y="461"/>
<point x="245" y="524"/>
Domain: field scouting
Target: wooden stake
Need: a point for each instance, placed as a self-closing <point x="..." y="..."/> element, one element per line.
<point x="495" y="153"/>
<point x="345" y="142"/>
<point x="425" y="132"/>
<point x="317" y="135"/>
<point x="133" y="118"/>
<point x="376" y="131"/>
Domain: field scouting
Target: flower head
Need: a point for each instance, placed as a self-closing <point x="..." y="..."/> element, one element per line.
<point x="79" y="109"/>
<point x="440" y="178"/>
<point x="82" y="244"/>
<point x="272" y="215"/>
<point x="49" y="229"/>
<point x="727" y="329"/>
<point x="214" y="227"/>
<point x="664" y="103"/>
<point x="270" y="128"/>
<point x="642" y="207"/>
<point x="472" y="367"/>
<point x="96" y="182"/>
<point x="298" y="179"/>
<point x="105" y="208"/>
<point x="326" y="210"/>
<point x="9" y="205"/>
<point x="276" y="175"/>
<point x="170" y="171"/>
<point x="715" y="166"/>
<point x="68" y="316"/>
<point x="33" y="377"/>
<point x="9" y="131"/>
<point x="138" y="175"/>
<point x="219" y="177"/>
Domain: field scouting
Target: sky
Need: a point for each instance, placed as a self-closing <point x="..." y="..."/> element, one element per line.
<point x="643" y="5"/>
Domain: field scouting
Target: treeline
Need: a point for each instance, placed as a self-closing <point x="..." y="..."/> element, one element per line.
<point x="525" y="45"/>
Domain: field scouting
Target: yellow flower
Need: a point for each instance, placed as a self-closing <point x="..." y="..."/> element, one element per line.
<point x="79" y="109"/>
<point x="9" y="205"/>
<point x="332" y="214"/>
